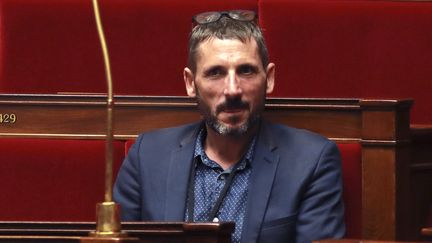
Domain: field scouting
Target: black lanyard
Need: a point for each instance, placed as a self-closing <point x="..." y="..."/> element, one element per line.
<point x="222" y="195"/>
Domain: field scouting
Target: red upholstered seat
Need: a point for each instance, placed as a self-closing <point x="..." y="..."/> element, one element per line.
<point x="52" y="179"/>
<point x="128" y="145"/>
<point x="352" y="182"/>
<point x="50" y="46"/>
<point x="360" y="48"/>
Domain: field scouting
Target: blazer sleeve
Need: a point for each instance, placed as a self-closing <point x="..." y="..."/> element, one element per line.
<point x="321" y="214"/>
<point x="126" y="190"/>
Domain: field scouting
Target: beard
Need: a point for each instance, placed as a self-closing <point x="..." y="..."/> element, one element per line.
<point x="219" y="127"/>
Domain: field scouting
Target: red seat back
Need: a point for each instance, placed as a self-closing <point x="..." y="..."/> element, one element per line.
<point x="50" y="46"/>
<point x="53" y="179"/>
<point x="352" y="182"/>
<point x="360" y="48"/>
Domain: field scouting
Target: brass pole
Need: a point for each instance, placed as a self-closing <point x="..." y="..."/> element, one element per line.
<point x="108" y="213"/>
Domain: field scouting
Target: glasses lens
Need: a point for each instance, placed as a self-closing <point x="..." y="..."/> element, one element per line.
<point x="207" y="17"/>
<point x="243" y="15"/>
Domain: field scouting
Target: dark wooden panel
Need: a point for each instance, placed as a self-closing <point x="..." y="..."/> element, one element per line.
<point x="83" y="116"/>
<point x="381" y="126"/>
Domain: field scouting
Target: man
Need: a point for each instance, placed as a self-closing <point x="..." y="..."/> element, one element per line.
<point x="278" y="184"/>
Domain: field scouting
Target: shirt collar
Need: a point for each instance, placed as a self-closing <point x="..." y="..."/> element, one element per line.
<point x="202" y="156"/>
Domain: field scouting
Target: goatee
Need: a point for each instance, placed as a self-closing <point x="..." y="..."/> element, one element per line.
<point x="222" y="129"/>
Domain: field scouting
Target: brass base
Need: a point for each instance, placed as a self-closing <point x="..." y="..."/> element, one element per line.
<point x="97" y="234"/>
<point x="108" y="221"/>
<point x="109" y="240"/>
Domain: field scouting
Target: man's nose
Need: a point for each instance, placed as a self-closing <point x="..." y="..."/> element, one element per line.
<point x="232" y="86"/>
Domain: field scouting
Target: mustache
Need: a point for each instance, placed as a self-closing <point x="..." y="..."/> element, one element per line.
<point x="232" y="104"/>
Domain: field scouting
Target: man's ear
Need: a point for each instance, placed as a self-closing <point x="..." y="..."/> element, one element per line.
<point x="188" y="77"/>
<point x="270" y="77"/>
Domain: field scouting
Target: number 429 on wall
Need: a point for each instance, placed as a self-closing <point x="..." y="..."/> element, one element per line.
<point x="8" y="118"/>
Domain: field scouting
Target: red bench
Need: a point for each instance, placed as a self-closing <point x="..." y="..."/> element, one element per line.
<point x="50" y="46"/>
<point x="53" y="179"/>
<point x="357" y="48"/>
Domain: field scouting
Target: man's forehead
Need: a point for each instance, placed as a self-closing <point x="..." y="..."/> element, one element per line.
<point x="214" y="41"/>
<point x="212" y="46"/>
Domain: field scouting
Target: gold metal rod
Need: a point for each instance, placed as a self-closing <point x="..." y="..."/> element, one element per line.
<point x="108" y="213"/>
<point x="110" y="107"/>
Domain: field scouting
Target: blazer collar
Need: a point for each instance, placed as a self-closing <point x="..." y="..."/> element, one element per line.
<point x="178" y="175"/>
<point x="264" y="167"/>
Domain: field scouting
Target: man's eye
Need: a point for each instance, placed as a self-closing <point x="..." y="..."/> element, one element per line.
<point x="246" y="70"/>
<point x="214" y="72"/>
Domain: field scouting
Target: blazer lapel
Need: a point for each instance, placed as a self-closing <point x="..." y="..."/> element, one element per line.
<point x="178" y="178"/>
<point x="264" y="167"/>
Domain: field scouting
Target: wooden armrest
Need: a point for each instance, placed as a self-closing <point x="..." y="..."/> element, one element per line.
<point x="427" y="231"/>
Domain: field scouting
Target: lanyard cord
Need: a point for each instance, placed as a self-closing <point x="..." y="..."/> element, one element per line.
<point x="222" y="195"/>
<point x="191" y="192"/>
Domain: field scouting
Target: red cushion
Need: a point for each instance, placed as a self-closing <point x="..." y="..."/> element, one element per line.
<point x="128" y="145"/>
<point x="333" y="48"/>
<point x="53" y="180"/>
<point x="352" y="182"/>
<point x="50" y="46"/>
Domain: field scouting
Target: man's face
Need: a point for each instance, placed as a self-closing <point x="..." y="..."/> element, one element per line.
<point x="230" y="84"/>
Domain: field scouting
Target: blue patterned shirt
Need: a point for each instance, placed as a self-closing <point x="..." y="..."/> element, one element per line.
<point x="209" y="181"/>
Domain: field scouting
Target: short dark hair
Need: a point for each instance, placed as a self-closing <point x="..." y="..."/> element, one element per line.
<point x="226" y="28"/>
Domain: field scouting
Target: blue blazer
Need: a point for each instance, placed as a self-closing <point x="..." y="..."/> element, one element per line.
<point x="295" y="189"/>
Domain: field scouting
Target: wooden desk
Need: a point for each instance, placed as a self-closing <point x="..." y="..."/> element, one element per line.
<point x="150" y="232"/>
<point x="65" y="239"/>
